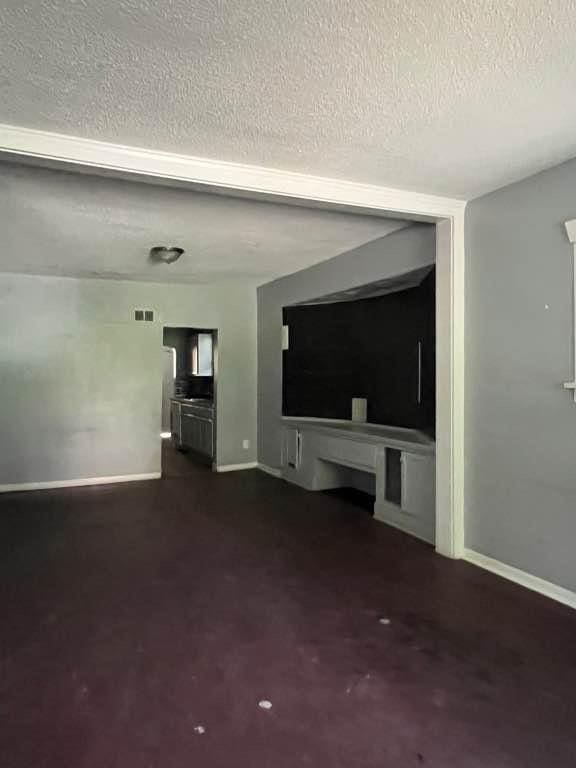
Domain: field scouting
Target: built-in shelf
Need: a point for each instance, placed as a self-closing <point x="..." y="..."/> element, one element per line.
<point x="399" y="464"/>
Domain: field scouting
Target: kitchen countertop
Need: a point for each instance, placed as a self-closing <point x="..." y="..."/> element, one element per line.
<point x="203" y="401"/>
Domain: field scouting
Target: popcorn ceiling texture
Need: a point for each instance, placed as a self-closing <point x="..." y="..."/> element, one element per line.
<point x="445" y="97"/>
<point x="56" y="223"/>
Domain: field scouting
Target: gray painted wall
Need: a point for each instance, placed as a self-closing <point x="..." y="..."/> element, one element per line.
<point x="520" y="423"/>
<point x="388" y="256"/>
<point x="81" y="381"/>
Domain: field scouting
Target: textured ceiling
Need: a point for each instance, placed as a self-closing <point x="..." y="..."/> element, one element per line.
<point x="56" y="223"/>
<point x="446" y="96"/>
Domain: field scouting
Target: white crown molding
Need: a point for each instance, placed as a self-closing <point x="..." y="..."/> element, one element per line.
<point x="57" y="147"/>
<point x="82" y="481"/>
<point x="535" y="583"/>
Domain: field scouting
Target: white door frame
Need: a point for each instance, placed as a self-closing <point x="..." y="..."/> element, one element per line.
<point x="166" y="396"/>
<point x="265" y="183"/>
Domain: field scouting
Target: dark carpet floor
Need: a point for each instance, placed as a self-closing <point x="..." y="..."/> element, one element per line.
<point x="143" y="624"/>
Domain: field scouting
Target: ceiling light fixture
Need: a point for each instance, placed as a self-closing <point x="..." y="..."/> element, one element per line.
<point x="165" y="255"/>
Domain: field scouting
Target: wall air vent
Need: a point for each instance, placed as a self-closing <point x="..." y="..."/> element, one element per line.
<point x="144" y="315"/>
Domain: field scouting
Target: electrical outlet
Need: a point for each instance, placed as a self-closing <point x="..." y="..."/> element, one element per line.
<point x="245" y="444"/>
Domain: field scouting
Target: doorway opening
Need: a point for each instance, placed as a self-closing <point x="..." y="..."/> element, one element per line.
<point x="189" y="403"/>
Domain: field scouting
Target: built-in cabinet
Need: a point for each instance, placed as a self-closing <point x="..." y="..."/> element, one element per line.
<point x="320" y="455"/>
<point x="197" y="433"/>
<point x="411" y="505"/>
<point x="192" y="427"/>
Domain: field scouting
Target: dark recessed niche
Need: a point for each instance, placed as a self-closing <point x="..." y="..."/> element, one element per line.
<point x="381" y="348"/>
<point x="355" y="497"/>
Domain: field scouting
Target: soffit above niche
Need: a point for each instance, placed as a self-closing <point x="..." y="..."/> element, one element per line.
<point x="392" y="284"/>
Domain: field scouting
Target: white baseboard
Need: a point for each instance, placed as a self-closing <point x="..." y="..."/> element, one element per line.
<point x="44" y="486"/>
<point x="536" y="584"/>
<point x="270" y="470"/>
<point x="236" y="467"/>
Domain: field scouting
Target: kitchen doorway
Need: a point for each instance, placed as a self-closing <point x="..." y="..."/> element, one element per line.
<point x="188" y="399"/>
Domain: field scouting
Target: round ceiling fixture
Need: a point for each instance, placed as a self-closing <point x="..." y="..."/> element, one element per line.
<point x="164" y="254"/>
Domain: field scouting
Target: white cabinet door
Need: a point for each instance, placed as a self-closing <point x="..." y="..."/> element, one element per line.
<point x="418" y="491"/>
<point x="291" y="452"/>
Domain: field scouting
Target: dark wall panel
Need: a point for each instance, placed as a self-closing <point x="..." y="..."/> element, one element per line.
<point x="366" y="348"/>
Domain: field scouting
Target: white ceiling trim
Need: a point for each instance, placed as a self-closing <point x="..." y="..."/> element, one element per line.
<point x="57" y="147"/>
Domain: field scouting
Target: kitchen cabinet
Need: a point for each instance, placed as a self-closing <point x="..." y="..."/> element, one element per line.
<point x="198" y="429"/>
<point x="197" y="434"/>
<point x="192" y="426"/>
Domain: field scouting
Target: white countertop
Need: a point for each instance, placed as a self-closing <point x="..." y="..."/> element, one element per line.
<point x="399" y="437"/>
